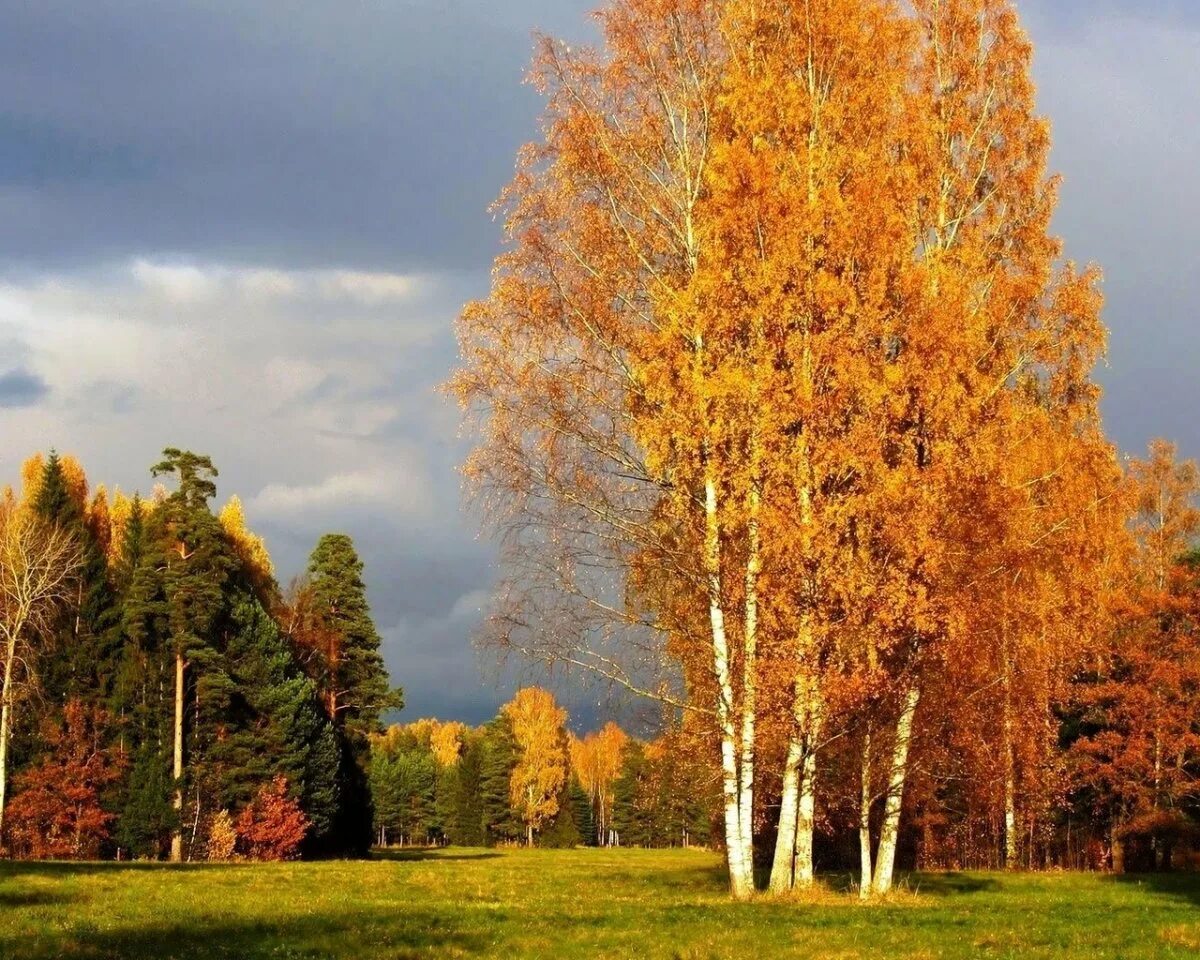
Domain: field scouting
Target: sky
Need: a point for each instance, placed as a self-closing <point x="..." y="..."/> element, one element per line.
<point x="247" y="228"/>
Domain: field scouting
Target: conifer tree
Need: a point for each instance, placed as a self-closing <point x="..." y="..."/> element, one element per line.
<point x="342" y="642"/>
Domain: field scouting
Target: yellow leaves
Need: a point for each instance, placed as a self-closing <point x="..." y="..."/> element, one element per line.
<point x="541" y="770"/>
<point x="250" y="548"/>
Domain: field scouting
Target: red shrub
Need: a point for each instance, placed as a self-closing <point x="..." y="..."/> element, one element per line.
<point x="56" y="812"/>
<point x="272" y="826"/>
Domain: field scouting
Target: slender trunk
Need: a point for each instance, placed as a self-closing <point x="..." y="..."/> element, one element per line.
<point x="529" y="834"/>
<point x="1010" y="785"/>
<point x="806" y="822"/>
<point x="177" y="769"/>
<point x="739" y="851"/>
<point x="6" y="697"/>
<point x="890" y="833"/>
<point x="864" y="822"/>
<point x="784" y="865"/>
<point x="750" y="657"/>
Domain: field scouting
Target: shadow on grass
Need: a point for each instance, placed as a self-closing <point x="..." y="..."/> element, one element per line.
<point x="33" y="898"/>
<point x="64" y="868"/>
<point x="412" y="934"/>
<point x="951" y="884"/>
<point x="418" y="854"/>
<point x="1178" y="884"/>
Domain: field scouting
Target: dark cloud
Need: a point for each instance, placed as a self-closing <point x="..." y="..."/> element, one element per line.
<point x="20" y="388"/>
<point x="327" y="132"/>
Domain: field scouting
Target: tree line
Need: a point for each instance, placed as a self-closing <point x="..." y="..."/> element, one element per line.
<point x="162" y="695"/>
<point x="524" y="778"/>
<point x="785" y="419"/>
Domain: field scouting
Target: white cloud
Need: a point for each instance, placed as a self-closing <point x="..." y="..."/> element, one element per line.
<point x="339" y="490"/>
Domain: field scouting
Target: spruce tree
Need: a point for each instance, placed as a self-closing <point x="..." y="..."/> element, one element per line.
<point x="80" y="663"/>
<point x="499" y="757"/>
<point x="351" y="672"/>
<point x="271" y="723"/>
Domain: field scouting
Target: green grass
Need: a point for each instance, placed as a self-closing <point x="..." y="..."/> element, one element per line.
<point x="584" y="903"/>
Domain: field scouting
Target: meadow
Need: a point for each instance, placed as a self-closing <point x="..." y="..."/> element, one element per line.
<point x="568" y="904"/>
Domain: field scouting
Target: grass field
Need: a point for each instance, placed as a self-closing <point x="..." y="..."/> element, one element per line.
<point x="553" y="904"/>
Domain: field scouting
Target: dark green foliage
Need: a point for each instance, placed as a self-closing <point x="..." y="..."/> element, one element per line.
<point x="356" y="678"/>
<point x="403" y="792"/>
<point x="466" y="825"/>
<point x="147" y="818"/>
<point x="272" y="723"/>
<point x="499" y="757"/>
<point x="563" y="831"/>
<point x="80" y="662"/>
<point x="582" y="812"/>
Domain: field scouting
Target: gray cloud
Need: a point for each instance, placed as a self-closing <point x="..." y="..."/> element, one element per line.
<point x="20" y="388"/>
<point x="247" y="227"/>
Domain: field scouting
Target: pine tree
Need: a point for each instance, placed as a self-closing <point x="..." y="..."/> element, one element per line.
<point x="195" y="565"/>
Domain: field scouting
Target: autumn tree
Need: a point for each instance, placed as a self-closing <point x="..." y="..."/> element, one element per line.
<point x="272" y="826"/>
<point x="1138" y="750"/>
<point x="540" y="774"/>
<point x="56" y="812"/>
<point x="39" y="566"/>
<point x="596" y="761"/>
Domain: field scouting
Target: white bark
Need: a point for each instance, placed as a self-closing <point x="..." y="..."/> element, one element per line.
<point x="806" y="822"/>
<point x="739" y="845"/>
<point x="864" y="823"/>
<point x="1010" y="789"/>
<point x="890" y="833"/>
<point x="5" y="720"/>
<point x="783" y="867"/>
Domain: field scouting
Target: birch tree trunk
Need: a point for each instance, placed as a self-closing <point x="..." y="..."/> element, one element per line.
<point x="738" y="844"/>
<point x="1010" y="788"/>
<point x="864" y="823"/>
<point x="177" y="768"/>
<point x="890" y="833"/>
<point x="806" y="821"/>
<point x="783" y="866"/>
<point x="5" y="723"/>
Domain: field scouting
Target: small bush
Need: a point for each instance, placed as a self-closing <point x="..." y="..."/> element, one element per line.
<point x="272" y="826"/>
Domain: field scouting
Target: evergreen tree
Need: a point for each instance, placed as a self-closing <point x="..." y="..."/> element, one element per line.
<point x="271" y="723"/>
<point x="194" y="562"/>
<point x="346" y="660"/>
<point x="147" y="818"/>
<point x="499" y="757"/>
<point x="80" y="663"/>
<point x="466" y="826"/>
<point x="582" y="813"/>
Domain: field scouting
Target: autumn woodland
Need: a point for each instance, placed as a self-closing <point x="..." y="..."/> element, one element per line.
<point x="782" y="414"/>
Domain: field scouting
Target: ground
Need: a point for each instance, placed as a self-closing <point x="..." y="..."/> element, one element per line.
<point x="560" y="904"/>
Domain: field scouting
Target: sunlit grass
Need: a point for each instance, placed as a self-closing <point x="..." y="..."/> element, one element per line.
<point x="583" y="903"/>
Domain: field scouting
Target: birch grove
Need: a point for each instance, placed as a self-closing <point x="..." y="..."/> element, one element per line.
<point x="780" y="378"/>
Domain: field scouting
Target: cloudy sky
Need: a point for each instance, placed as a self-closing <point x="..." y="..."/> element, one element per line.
<point x="246" y="228"/>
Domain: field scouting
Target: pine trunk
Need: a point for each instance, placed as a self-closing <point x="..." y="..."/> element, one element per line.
<point x="177" y="768"/>
<point x="890" y="833"/>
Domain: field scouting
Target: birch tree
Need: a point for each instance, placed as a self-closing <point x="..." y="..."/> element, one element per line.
<point x="39" y="565"/>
